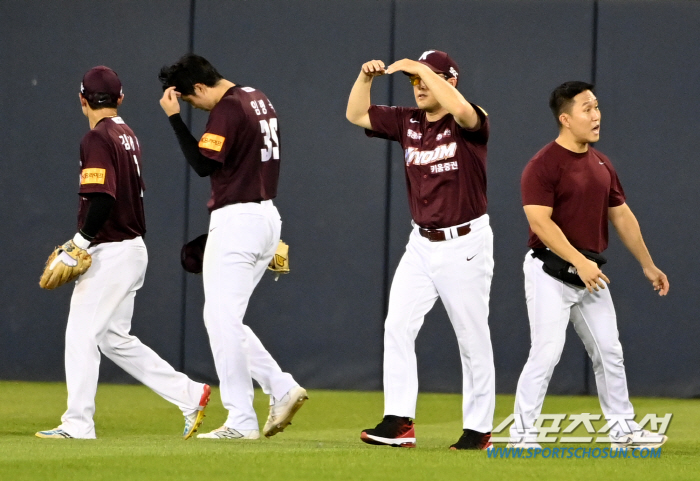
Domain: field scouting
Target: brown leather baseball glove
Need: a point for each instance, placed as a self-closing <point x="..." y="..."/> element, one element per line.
<point x="64" y="264"/>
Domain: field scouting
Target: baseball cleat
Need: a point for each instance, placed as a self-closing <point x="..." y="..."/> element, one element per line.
<point x="194" y="420"/>
<point x="474" y="440"/>
<point x="393" y="431"/>
<point x="225" y="432"/>
<point x="282" y="411"/>
<point x="53" y="434"/>
<point x="638" y="440"/>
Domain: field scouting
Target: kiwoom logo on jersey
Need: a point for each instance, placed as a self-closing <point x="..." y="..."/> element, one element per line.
<point x="424" y="157"/>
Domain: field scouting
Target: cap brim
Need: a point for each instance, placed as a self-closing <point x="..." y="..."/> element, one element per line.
<point x="431" y="68"/>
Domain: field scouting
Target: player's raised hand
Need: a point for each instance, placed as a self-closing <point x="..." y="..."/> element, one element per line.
<point x="169" y="102"/>
<point x="591" y="275"/>
<point x="373" y="68"/>
<point x="658" y="279"/>
<point x="405" y="65"/>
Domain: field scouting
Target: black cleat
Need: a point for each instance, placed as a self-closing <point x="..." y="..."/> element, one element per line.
<point x="392" y="431"/>
<point x="473" y="440"/>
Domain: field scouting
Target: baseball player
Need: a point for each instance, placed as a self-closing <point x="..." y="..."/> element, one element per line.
<point x="570" y="191"/>
<point x="240" y="153"/>
<point x="450" y="249"/>
<point x="111" y="228"/>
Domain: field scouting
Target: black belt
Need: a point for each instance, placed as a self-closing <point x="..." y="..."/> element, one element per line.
<point x="434" y="235"/>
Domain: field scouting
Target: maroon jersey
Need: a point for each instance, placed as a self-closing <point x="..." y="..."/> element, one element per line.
<point x="110" y="163"/>
<point x="445" y="163"/>
<point x="243" y="135"/>
<point x="579" y="188"/>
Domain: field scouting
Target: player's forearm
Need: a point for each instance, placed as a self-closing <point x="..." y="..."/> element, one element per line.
<point x="100" y="206"/>
<point x="202" y="165"/>
<point x="553" y="237"/>
<point x="450" y="98"/>
<point x="630" y="233"/>
<point x="359" y="101"/>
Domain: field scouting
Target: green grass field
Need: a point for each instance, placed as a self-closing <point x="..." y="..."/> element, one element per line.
<point x="139" y="439"/>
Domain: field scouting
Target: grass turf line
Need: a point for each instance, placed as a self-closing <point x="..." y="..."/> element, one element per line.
<point x="139" y="439"/>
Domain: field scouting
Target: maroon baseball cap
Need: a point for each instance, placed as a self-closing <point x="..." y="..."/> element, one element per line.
<point x="101" y="85"/>
<point x="440" y="62"/>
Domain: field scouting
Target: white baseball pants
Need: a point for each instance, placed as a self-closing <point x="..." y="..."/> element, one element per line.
<point x="551" y="304"/>
<point x="242" y="240"/>
<point x="459" y="271"/>
<point x="100" y="320"/>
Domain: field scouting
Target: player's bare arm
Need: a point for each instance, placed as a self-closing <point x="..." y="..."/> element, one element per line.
<point x="541" y="223"/>
<point x="169" y="102"/>
<point x="444" y="91"/>
<point x="359" y="101"/>
<point x="627" y="227"/>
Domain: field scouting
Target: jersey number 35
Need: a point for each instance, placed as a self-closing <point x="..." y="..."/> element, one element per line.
<point x="272" y="145"/>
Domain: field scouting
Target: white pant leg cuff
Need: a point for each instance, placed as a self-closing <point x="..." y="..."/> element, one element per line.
<point x="73" y="432"/>
<point x="279" y="391"/>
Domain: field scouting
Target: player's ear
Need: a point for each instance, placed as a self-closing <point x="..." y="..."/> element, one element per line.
<point x="120" y="100"/>
<point x="452" y="81"/>
<point x="564" y="119"/>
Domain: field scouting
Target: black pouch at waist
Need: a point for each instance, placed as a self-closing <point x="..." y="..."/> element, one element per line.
<point x="563" y="270"/>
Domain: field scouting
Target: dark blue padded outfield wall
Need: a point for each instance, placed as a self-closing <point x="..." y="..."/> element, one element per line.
<point x="342" y="196"/>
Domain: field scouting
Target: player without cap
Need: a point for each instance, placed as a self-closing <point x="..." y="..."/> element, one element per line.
<point x="240" y="153"/>
<point x="570" y="191"/>
<point x="450" y="249"/>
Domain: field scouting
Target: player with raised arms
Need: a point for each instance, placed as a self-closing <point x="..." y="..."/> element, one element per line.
<point x="450" y="249"/>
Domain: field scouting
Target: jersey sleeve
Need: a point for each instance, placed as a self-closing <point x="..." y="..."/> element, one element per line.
<point x="536" y="185"/>
<point x="387" y="122"/>
<point x="481" y="135"/>
<point x="617" y="194"/>
<point x="97" y="173"/>
<point x="220" y="133"/>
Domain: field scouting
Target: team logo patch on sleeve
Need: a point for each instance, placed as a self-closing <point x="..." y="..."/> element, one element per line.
<point x="212" y="142"/>
<point x="92" y="176"/>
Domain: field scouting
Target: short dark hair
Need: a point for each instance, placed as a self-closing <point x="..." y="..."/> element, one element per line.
<point x="100" y="101"/>
<point x="562" y="97"/>
<point x="189" y="70"/>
